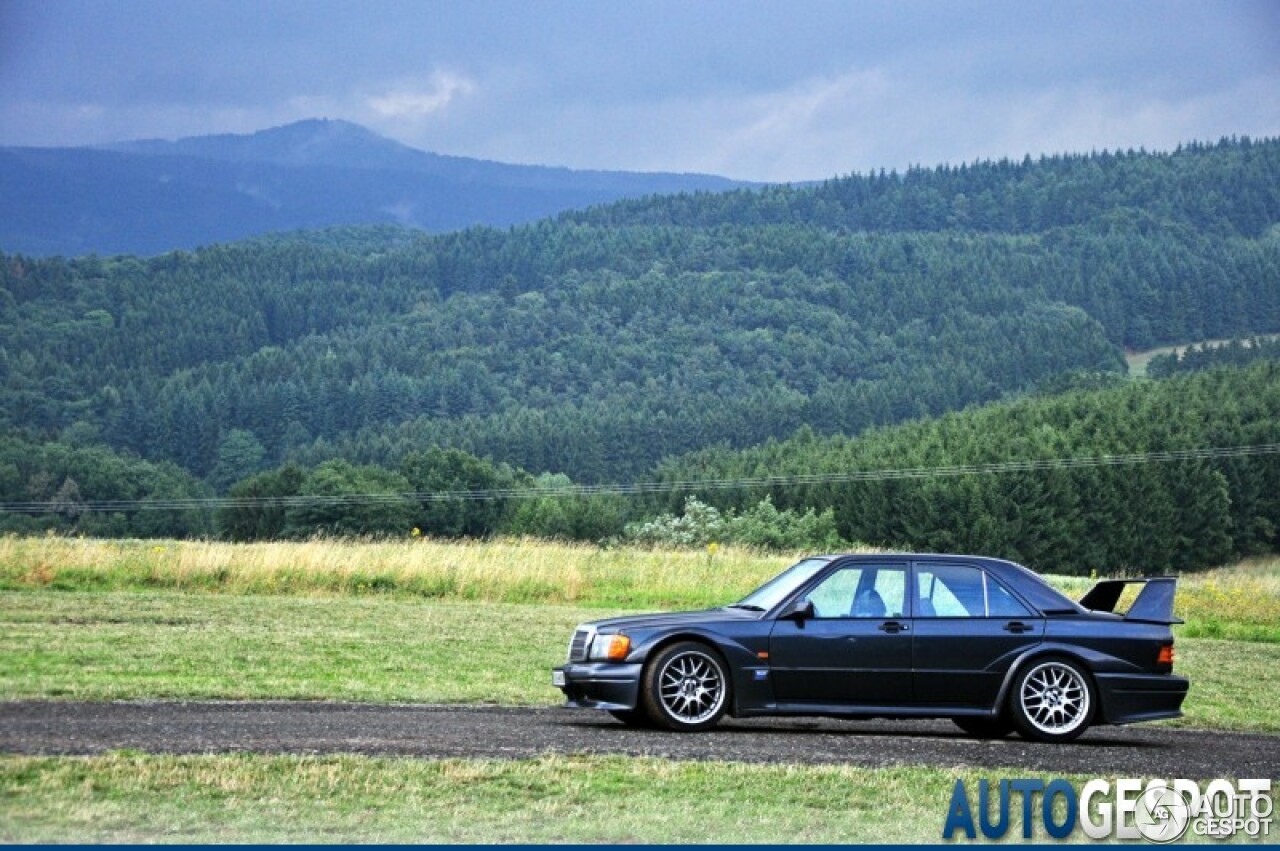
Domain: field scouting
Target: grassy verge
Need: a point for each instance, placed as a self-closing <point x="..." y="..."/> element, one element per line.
<point x="123" y="645"/>
<point x="251" y="798"/>
<point x="1240" y="602"/>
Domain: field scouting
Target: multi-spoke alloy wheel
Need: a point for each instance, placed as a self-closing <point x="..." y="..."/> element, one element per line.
<point x="1053" y="701"/>
<point x="686" y="687"/>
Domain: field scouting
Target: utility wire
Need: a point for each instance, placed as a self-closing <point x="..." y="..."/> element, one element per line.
<point x="652" y="487"/>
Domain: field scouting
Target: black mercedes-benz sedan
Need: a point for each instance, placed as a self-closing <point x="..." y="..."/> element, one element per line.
<point x="985" y="642"/>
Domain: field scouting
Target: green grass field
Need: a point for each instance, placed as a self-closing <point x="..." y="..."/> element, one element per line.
<point x="132" y="645"/>
<point x="250" y="798"/>
<point x="124" y="797"/>
<point x="432" y="622"/>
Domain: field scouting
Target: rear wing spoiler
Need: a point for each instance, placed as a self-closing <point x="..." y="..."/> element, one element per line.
<point x="1154" y="603"/>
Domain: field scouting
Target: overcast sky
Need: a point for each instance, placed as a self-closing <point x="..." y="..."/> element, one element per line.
<point x="788" y="90"/>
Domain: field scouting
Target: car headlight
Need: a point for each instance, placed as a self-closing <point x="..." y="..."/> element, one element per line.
<point x="613" y="648"/>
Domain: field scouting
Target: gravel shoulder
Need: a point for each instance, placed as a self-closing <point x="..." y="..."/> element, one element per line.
<point x="71" y="728"/>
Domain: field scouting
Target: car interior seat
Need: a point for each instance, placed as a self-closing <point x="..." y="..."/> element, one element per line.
<point x="868" y="604"/>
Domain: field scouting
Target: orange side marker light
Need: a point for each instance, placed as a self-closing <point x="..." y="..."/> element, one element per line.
<point x="619" y="647"/>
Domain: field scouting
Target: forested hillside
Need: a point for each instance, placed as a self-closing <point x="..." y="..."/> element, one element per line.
<point x="1145" y="517"/>
<point x="1232" y="187"/>
<point x="598" y="346"/>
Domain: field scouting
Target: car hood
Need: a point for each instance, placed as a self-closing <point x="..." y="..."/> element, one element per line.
<point x="660" y="620"/>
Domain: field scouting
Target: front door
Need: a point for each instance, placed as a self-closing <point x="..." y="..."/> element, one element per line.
<point x="856" y="650"/>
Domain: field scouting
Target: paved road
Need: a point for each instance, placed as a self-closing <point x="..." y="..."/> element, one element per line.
<point x="38" y="727"/>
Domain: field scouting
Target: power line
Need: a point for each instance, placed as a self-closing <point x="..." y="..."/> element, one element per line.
<point x="652" y="487"/>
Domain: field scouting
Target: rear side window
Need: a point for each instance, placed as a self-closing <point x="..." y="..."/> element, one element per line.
<point x="1002" y="604"/>
<point x="954" y="591"/>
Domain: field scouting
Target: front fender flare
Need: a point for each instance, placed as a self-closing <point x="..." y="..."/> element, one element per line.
<point x="737" y="657"/>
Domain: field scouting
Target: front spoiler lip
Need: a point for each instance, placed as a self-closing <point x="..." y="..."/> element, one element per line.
<point x="601" y="685"/>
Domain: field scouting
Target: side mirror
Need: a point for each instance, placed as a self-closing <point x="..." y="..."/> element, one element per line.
<point x="799" y="610"/>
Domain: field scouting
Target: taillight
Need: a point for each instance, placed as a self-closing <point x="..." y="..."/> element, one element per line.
<point x="1165" y="656"/>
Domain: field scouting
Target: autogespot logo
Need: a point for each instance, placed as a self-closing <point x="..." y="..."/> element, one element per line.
<point x="1162" y="814"/>
<point x="1155" y="810"/>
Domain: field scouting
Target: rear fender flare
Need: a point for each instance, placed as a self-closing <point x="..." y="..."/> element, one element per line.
<point x="1090" y="660"/>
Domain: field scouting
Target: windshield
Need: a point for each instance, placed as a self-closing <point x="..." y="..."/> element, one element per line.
<point x="781" y="586"/>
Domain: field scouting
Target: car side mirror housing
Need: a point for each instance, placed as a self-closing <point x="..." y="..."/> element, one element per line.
<point x="799" y="610"/>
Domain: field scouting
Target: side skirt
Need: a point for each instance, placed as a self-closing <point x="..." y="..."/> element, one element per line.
<point x="844" y="711"/>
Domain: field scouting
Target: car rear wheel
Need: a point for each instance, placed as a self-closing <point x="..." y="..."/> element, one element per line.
<point x="686" y="687"/>
<point x="1052" y="700"/>
<point x="984" y="727"/>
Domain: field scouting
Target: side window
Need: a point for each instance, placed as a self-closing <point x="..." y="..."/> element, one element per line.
<point x="864" y="591"/>
<point x="950" y="591"/>
<point x="1002" y="604"/>
<point x="891" y="585"/>
<point x="833" y="598"/>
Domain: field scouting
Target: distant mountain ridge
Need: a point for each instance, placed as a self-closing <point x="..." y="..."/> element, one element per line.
<point x="342" y="144"/>
<point x="151" y="196"/>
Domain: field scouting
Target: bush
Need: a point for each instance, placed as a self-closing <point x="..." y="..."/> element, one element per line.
<point x="761" y="527"/>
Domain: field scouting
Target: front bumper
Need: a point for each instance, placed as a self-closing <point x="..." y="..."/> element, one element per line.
<point x="1129" y="698"/>
<point x="600" y="685"/>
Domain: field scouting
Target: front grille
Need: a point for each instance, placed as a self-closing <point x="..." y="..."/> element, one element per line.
<point x="580" y="645"/>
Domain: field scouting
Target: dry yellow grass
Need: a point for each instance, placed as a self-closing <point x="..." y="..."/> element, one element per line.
<point x="1241" y="601"/>
<point x="505" y="570"/>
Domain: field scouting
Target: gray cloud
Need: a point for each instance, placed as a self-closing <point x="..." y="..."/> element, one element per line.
<point x="751" y="89"/>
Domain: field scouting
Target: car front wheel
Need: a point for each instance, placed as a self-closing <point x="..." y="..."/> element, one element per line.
<point x="686" y="687"/>
<point x="1052" y="700"/>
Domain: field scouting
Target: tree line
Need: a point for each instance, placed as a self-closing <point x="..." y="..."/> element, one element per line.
<point x="1195" y="358"/>
<point x="1231" y="187"/>
<point x="1151" y="517"/>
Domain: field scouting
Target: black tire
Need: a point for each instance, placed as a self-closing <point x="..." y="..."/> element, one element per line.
<point x="985" y="727"/>
<point x="632" y="717"/>
<point x="686" y="687"/>
<point x="1053" y="700"/>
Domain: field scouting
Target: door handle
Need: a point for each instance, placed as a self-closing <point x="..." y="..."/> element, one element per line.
<point x="1017" y="627"/>
<point x="893" y="627"/>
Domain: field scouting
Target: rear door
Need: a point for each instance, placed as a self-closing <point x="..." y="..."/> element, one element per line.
<point x="968" y="630"/>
